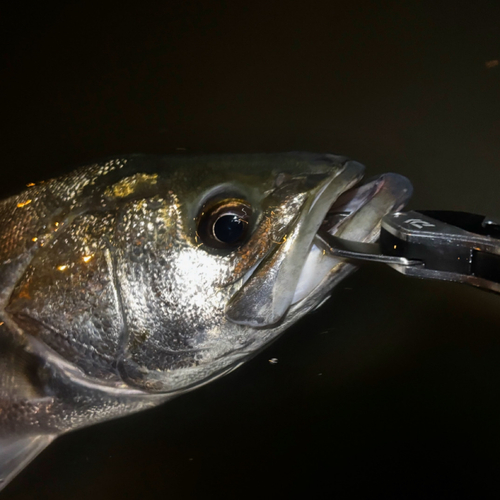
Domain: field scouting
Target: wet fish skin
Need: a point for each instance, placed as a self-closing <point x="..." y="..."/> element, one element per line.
<point x="111" y="303"/>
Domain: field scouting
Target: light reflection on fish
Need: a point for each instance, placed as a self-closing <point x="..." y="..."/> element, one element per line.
<point x="131" y="281"/>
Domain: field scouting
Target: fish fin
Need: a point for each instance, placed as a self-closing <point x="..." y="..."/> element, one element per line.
<point x="17" y="452"/>
<point x="21" y="376"/>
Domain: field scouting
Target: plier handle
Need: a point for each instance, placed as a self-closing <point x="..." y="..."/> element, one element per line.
<point x="435" y="244"/>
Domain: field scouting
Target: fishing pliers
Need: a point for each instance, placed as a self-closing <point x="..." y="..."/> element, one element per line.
<point x="436" y="244"/>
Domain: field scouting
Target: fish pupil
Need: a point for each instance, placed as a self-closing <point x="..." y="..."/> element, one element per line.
<point x="228" y="228"/>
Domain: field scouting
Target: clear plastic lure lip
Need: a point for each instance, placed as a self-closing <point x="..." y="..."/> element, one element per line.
<point x="396" y="188"/>
<point x="349" y="202"/>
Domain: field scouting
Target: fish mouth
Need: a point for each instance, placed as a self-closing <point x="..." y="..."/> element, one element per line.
<point x="357" y="216"/>
<point x="298" y="270"/>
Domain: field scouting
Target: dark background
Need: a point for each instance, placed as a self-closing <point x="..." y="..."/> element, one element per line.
<point x="392" y="389"/>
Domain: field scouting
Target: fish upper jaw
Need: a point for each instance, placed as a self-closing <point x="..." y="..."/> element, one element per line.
<point x="298" y="274"/>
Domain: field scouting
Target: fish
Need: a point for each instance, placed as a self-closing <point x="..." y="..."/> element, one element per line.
<point x="135" y="279"/>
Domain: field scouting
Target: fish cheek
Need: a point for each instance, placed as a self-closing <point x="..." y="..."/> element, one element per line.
<point x="166" y="293"/>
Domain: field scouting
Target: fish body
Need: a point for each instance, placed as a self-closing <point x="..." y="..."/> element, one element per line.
<point x="136" y="279"/>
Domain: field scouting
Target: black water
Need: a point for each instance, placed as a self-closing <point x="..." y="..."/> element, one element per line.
<point x="392" y="390"/>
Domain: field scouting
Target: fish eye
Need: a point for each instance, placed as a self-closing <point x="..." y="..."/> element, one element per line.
<point x="224" y="224"/>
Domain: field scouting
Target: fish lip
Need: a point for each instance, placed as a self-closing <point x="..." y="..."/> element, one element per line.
<point x="263" y="299"/>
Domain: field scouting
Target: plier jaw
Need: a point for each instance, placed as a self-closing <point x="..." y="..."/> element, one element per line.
<point x="443" y="245"/>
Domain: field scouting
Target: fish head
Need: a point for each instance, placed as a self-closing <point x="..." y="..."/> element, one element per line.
<point x="173" y="270"/>
<point x="134" y="280"/>
<point x="235" y="263"/>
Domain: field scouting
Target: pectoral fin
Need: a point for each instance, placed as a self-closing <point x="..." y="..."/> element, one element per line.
<point x="17" y="452"/>
<point x="20" y="386"/>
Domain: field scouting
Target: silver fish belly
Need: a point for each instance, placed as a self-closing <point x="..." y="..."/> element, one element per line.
<point x="136" y="279"/>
